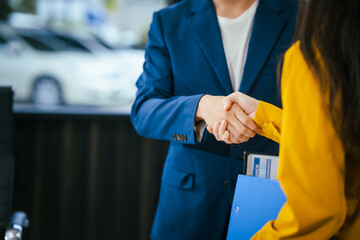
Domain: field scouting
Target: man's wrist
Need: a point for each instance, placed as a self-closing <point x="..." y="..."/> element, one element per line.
<point x="199" y="115"/>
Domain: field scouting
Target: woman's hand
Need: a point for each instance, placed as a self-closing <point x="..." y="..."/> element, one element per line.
<point x="247" y="103"/>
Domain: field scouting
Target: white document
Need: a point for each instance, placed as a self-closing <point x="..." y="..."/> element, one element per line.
<point x="264" y="166"/>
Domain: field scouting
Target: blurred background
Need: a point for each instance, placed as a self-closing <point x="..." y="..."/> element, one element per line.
<point x="81" y="171"/>
<point x="73" y="52"/>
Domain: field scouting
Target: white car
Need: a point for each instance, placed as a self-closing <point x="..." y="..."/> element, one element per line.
<point x="49" y="71"/>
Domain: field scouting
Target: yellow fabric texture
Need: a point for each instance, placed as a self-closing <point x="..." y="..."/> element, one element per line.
<point x="269" y="117"/>
<point x="311" y="166"/>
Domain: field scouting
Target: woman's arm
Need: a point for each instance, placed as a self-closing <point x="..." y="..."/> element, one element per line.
<point x="269" y="118"/>
<point x="311" y="166"/>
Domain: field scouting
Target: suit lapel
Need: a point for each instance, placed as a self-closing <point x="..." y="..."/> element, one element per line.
<point x="207" y="31"/>
<point x="266" y="29"/>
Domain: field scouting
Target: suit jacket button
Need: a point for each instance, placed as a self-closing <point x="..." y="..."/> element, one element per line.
<point x="184" y="138"/>
<point x="226" y="184"/>
<point x="176" y="137"/>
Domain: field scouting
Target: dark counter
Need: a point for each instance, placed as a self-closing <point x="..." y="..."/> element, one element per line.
<point x="85" y="174"/>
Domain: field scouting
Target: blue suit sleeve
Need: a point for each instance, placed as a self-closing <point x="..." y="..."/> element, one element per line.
<point x="157" y="113"/>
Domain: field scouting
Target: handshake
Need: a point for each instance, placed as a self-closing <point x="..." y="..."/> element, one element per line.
<point x="229" y="118"/>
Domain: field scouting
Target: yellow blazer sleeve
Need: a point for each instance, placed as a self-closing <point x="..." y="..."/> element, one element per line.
<point x="311" y="165"/>
<point x="269" y="117"/>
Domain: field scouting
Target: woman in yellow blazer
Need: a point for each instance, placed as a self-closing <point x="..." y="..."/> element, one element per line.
<point x="318" y="128"/>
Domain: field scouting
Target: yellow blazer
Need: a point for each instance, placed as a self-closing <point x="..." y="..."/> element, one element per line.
<point x="312" y="165"/>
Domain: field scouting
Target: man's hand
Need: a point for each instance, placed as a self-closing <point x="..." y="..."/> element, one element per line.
<point x="220" y="132"/>
<point x="239" y="125"/>
<point x="248" y="106"/>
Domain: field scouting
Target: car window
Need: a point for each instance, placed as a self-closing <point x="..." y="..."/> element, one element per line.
<point x="74" y="45"/>
<point x="103" y="43"/>
<point x="38" y="45"/>
<point x="92" y="44"/>
<point x="2" y="41"/>
<point x="108" y="45"/>
<point x="53" y="42"/>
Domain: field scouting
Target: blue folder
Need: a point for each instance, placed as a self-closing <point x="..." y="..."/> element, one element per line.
<point x="256" y="201"/>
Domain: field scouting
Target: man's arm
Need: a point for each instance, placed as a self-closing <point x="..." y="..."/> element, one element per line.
<point x="158" y="114"/>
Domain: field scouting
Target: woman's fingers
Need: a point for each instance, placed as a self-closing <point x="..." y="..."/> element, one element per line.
<point x="247" y="122"/>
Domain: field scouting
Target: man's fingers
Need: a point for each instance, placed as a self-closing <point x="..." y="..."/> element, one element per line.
<point x="223" y="133"/>
<point x="235" y="140"/>
<point x="216" y="131"/>
<point x="222" y="128"/>
<point x="210" y="129"/>
<point x="226" y="135"/>
<point x="229" y="138"/>
<point x="227" y="101"/>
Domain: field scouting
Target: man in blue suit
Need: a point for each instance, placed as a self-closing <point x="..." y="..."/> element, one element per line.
<point x="188" y="67"/>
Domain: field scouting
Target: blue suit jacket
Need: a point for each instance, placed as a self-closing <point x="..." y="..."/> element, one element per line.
<point x="184" y="60"/>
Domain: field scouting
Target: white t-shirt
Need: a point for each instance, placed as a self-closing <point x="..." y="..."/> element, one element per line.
<point x="235" y="35"/>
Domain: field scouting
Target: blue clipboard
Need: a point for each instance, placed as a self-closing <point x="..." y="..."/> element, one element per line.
<point x="256" y="201"/>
